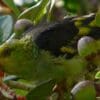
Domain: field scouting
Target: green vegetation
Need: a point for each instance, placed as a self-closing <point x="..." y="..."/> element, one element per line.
<point x="50" y="50"/>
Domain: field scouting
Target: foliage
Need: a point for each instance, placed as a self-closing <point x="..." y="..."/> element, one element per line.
<point x="5" y="27"/>
<point x="36" y="12"/>
<point x="12" y="6"/>
<point x="39" y="74"/>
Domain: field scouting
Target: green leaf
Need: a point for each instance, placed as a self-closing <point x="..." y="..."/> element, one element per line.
<point x="6" y="25"/>
<point x="35" y="13"/>
<point x="84" y="90"/>
<point x="20" y="92"/>
<point x="52" y="2"/>
<point x="11" y="5"/>
<point x="10" y="77"/>
<point x="97" y="76"/>
<point x="42" y="91"/>
<point x="97" y="19"/>
<point x="72" y="5"/>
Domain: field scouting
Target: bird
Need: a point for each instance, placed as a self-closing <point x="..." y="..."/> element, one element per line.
<point x="55" y="36"/>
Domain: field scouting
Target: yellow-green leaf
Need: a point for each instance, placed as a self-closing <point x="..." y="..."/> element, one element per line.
<point x="11" y="5"/>
<point x="35" y="13"/>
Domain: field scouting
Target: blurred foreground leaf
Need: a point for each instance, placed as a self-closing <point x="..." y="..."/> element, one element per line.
<point x="97" y="76"/>
<point x="11" y="5"/>
<point x="84" y="90"/>
<point x="6" y="25"/>
<point x="42" y="91"/>
<point x="97" y="19"/>
<point x="35" y="13"/>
